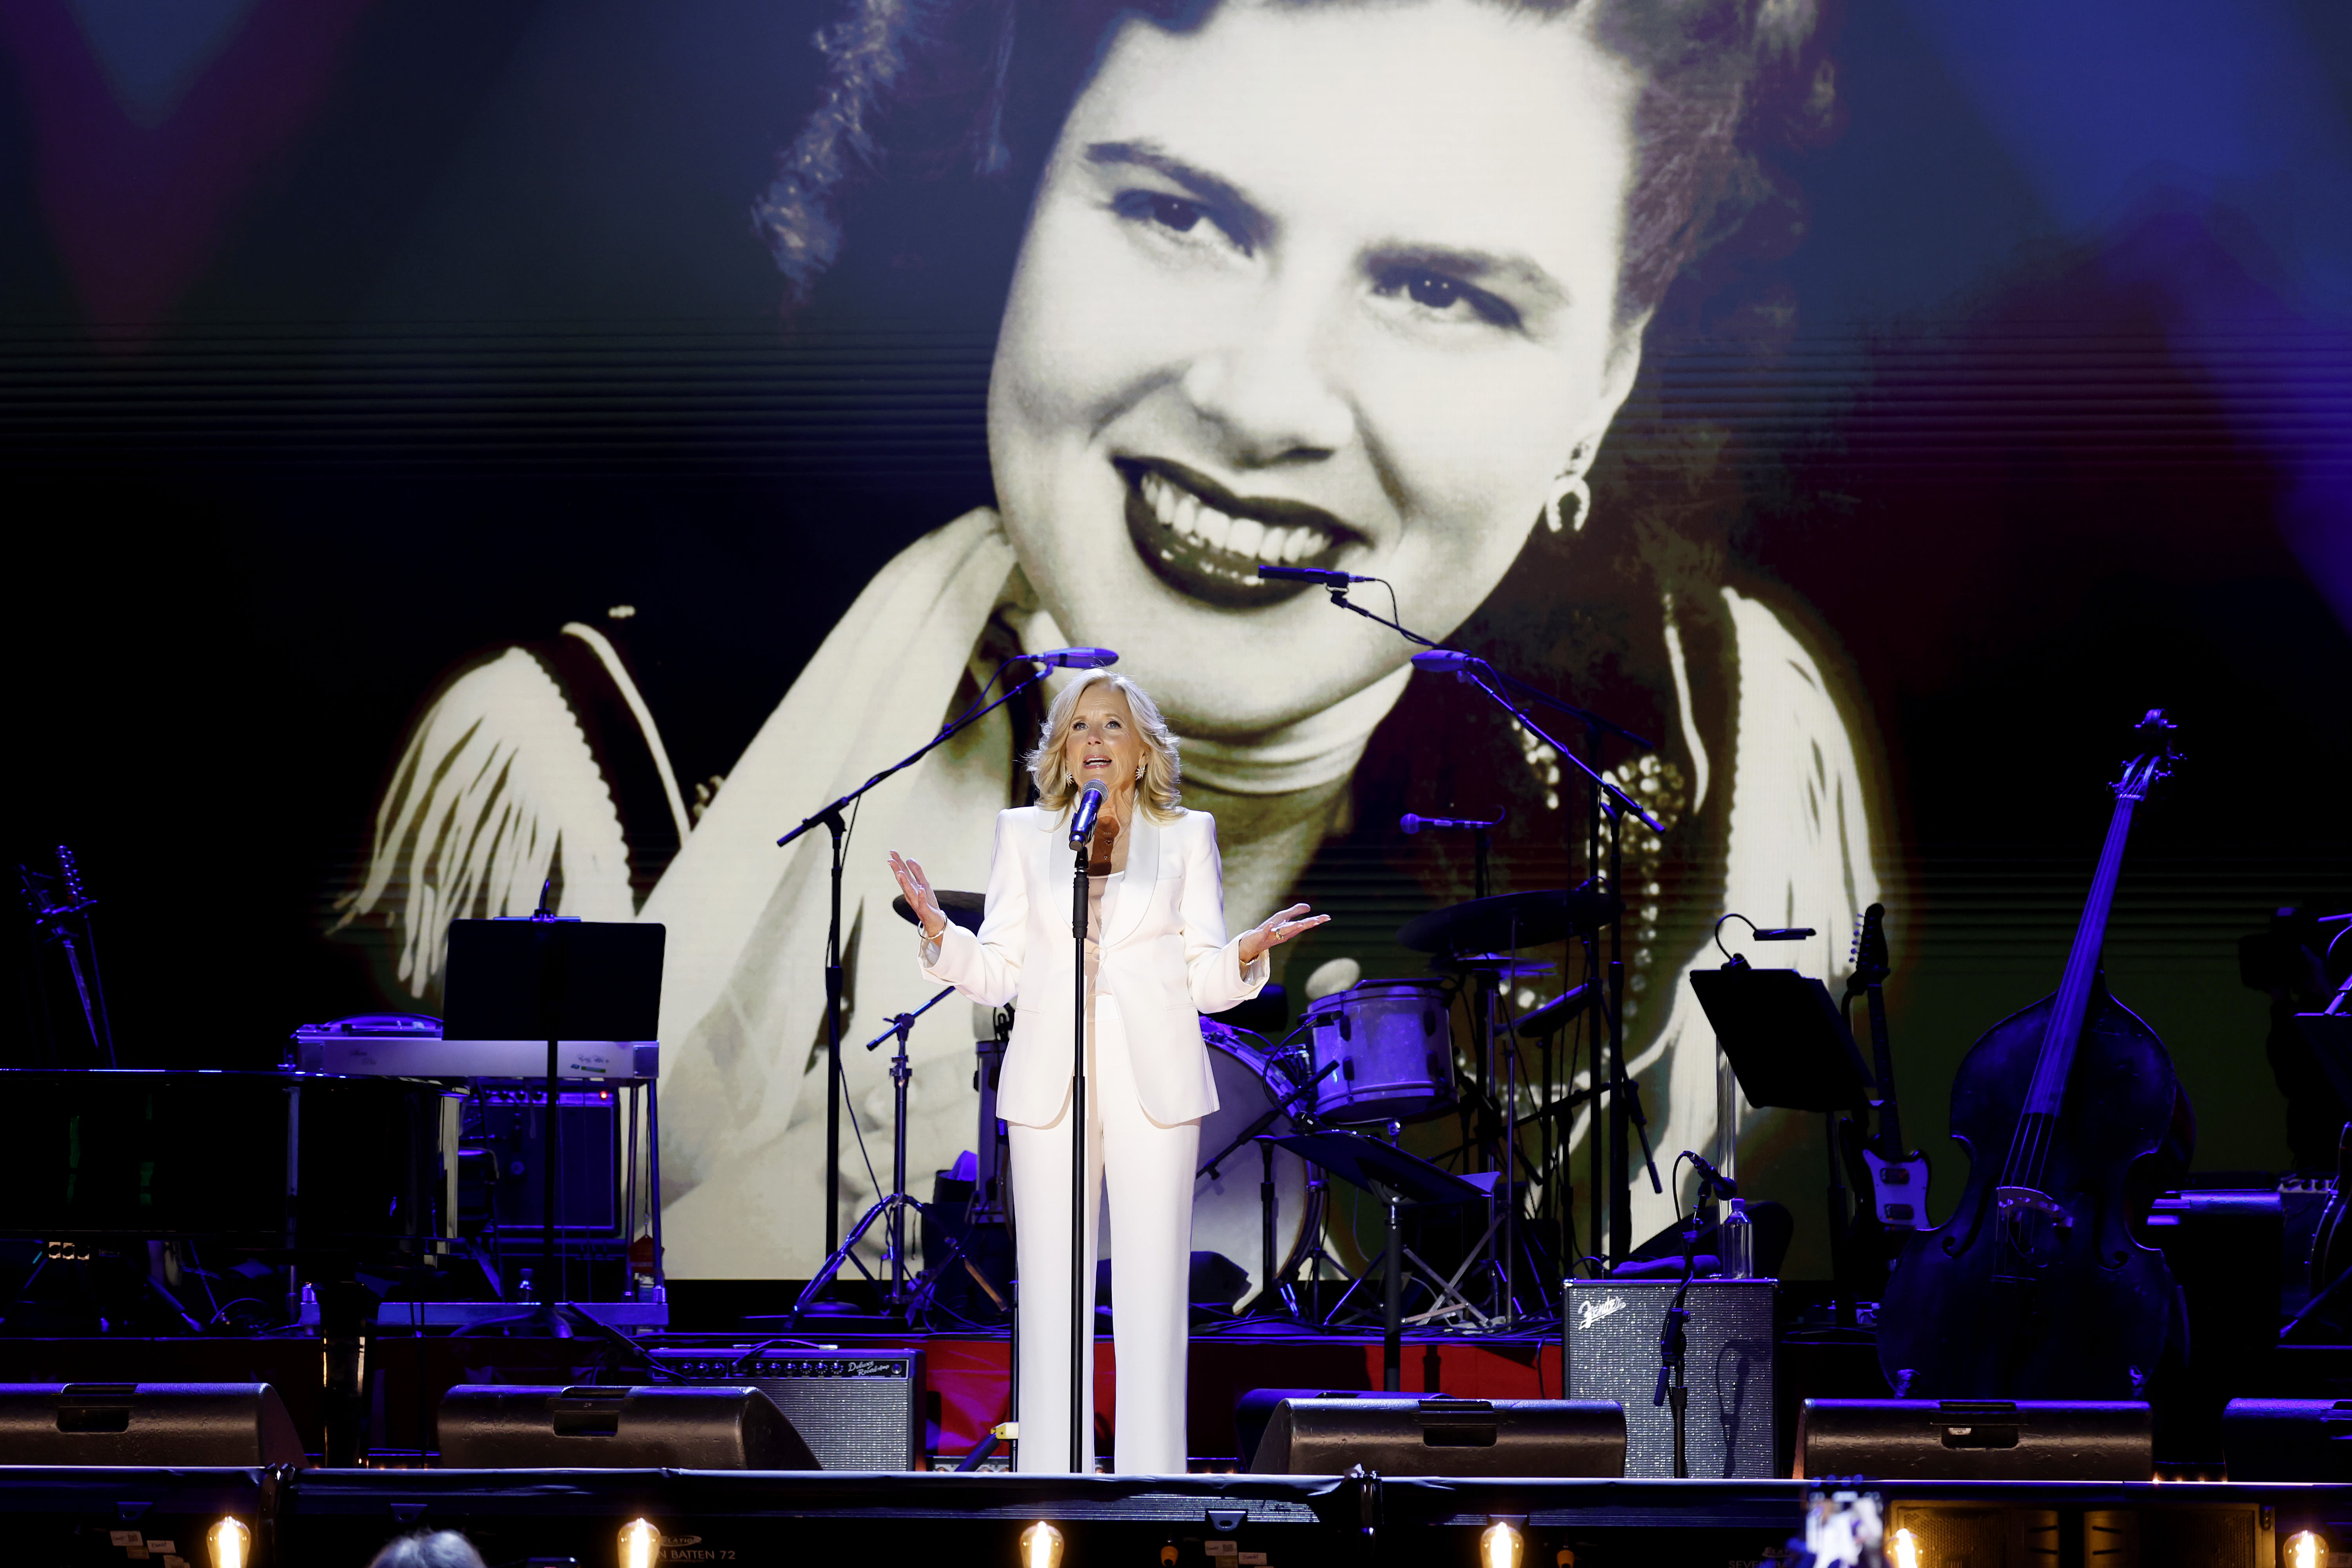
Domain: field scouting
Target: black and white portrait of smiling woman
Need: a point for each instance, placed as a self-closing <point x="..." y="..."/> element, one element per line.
<point x="1363" y="284"/>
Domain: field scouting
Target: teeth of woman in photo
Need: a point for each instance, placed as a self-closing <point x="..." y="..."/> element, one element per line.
<point x="1215" y="527"/>
<point x="1248" y="534"/>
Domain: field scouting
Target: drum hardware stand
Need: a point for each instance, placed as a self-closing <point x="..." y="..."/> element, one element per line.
<point x="892" y="1206"/>
<point x="1396" y="1178"/>
<point x="831" y="817"/>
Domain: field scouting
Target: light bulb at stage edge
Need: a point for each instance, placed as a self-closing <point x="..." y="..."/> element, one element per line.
<point x="1041" y="1546"/>
<point x="640" y="1544"/>
<point x="230" y="1542"/>
<point x="1500" y="1546"/>
<point x="2306" y="1548"/>
<point x="1902" y="1550"/>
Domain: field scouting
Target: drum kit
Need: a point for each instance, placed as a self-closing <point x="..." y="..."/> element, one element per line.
<point x="1362" y="1065"/>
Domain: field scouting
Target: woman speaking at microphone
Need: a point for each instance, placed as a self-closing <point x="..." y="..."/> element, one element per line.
<point x="1156" y="958"/>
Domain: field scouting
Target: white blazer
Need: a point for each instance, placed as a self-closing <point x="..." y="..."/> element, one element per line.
<point x="1165" y="957"/>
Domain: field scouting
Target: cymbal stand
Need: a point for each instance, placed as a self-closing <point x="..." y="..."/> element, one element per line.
<point x="892" y="1206"/>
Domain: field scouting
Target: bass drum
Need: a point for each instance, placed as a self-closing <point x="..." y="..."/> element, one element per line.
<point x="1225" y="1211"/>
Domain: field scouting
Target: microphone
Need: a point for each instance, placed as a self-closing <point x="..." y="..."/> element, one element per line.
<point x="1074" y="658"/>
<point x="1081" y="821"/>
<point x="1412" y="823"/>
<point x="1724" y="1187"/>
<point x="1446" y="660"/>
<point x="1330" y="579"/>
<point x="1784" y="933"/>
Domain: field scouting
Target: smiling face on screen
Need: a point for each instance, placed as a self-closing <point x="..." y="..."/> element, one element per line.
<point x="1329" y="284"/>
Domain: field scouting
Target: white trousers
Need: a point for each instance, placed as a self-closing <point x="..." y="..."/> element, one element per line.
<point x="1148" y="1172"/>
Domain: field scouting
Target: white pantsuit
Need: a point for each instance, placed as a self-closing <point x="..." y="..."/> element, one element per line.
<point x="1162" y="960"/>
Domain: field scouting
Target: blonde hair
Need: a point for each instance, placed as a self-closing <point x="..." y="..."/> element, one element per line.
<point x="1158" y="793"/>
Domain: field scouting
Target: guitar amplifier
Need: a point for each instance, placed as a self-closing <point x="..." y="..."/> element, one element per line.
<point x="856" y="1410"/>
<point x="1612" y="1331"/>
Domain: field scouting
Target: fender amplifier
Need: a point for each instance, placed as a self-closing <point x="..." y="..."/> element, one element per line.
<point x="1613" y="1327"/>
<point x="857" y="1410"/>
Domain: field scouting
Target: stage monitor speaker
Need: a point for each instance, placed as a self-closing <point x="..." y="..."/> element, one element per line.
<point x="2288" y="1439"/>
<point x="1440" y="1437"/>
<point x="159" y="1425"/>
<point x="1977" y="1439"/>
<point x="493" y="1427"/>
<point x="861" y="1410"/>
<point x="1612" y="1331"/>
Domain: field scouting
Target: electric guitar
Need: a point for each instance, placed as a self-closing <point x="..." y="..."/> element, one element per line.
<point x="1896" y="1175"/>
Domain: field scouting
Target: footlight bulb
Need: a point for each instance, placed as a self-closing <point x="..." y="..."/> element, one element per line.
<point x="2306" y="1549"/>
<point x="640" y="1544"/>
<point x="1041" y="1546"/>
<point x="231" y="1543"/>
<point x="1902" y="1552"/>
<point x="1500" y="1546"/>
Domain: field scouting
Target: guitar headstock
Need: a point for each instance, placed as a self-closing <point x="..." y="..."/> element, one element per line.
<point x="72" y="875"/>
<point x="1871" y="966"/>
<point x="2158" y="754"/>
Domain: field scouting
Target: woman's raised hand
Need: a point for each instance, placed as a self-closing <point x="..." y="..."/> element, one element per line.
<point x="919" y="897"/>
<point x="1275" y="930"/>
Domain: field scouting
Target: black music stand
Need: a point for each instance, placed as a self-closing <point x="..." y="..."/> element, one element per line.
<point x="1791" y="1050"/>
<point x="547" y="977"/>
<point x="1395" y="1177"/>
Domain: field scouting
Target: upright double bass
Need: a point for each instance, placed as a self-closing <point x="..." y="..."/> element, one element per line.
<point x="2039" y="1287"/>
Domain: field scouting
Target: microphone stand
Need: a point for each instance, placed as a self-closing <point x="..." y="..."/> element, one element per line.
<point x="1081" y="1328"/>
<point x="831" y="817"/>
<point x="1674" y="1347"/>
<point x="1674" y="1343"/>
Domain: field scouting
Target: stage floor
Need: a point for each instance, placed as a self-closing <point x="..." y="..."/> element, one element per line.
<point x="335" y="1518"/>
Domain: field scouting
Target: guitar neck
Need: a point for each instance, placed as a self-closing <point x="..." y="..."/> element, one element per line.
<point x="1882" y="1061"/>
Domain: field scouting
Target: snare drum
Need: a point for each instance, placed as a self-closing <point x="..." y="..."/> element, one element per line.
<point x="1394" y="1045"/>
